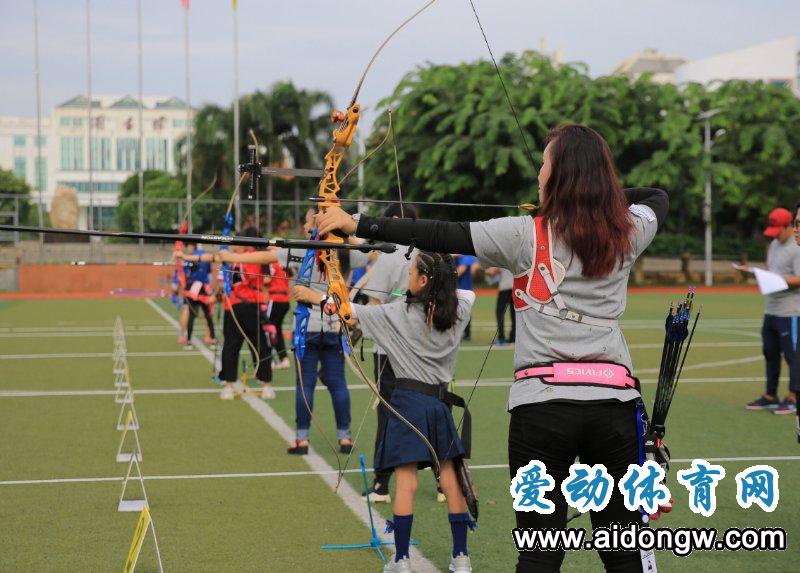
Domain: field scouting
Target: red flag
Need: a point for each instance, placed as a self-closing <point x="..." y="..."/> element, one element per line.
<point x="185" y="4"/>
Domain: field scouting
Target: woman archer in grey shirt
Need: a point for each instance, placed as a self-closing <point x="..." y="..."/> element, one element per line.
<point x="571" y="265"/>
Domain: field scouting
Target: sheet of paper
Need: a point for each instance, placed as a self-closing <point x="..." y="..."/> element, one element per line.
<point x="769" y="282"/>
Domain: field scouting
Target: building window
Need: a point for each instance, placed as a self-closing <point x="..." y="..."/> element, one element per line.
<point x="128" y="154"/>
<point x="41" y="141"/>
<point x="180" y="123"/>
<point x="19" y="141"/>
<point x="41" y="173"/>
<point x="20" y="167"/>
<point x="156" y="153"/>
<point x="71" y="121"/>
<point x="101" y="153"/>
<point x="98" y="187"/>
<point x="71" y="153"/>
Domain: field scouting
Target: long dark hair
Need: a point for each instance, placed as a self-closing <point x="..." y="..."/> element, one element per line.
<point x="439" y="298"/>
<point x="583" y="199"/>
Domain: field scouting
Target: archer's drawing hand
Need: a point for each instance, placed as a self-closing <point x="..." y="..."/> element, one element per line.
<point x="334" y="219"/>
<point x="304" y="294"/>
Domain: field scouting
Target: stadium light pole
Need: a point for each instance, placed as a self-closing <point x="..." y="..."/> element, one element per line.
<point x="705" y="117"/>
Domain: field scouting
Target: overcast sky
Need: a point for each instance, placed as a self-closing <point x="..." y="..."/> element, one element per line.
<point x="324" y="44"/>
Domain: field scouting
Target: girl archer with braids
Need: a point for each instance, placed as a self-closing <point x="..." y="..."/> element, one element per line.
<point x="420" y="335"/>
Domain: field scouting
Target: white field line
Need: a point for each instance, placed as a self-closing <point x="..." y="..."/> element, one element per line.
<point x="331" y="473"/>
<point x="169" y="354"/>
<point x="635" y="346"/>
<point x="90" y="334"/>
<point x="460" y="384"/>
<point x="172" y="354"/>
<point x="716" y="364"/>
<point x="346" y="492"/>
<point x="105" y="329"/>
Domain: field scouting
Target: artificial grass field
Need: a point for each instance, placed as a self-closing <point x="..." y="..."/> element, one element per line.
<point x="278" y="523"/>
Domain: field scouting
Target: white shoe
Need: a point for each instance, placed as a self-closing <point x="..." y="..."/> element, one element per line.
<point x="267" y="392"/>
<point x="376" y="497"/>
<point x="282" y="365"/>
<point x="227" y="393"/>
<point x="460" y="564"/>
<point x="402" y="566"/>
<point x="440" y="497"/>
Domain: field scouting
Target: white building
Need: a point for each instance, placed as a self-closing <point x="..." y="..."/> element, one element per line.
<point x="19" y="152"/>
<point x="115" y="147"/>
<point x="775" y="62"/>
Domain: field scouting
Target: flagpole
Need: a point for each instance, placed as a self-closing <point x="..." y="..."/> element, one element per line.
<point x="235" y="178"/>
<point x="141" y="119"/>
<point x="38" y="117"/>
<point x="188" y="118"/>
<point x="89" y="110"/>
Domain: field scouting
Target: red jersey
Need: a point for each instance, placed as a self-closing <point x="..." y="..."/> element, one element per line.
<point x="248" y="281"/>
<point x="279" y="285"/>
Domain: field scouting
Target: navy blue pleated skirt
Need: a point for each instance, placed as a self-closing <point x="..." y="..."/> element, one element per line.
<point x="399" y="444"/>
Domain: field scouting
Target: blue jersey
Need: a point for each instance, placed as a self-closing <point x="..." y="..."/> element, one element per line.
<point x="199" y="271"/>
<point x="465" y="280"/>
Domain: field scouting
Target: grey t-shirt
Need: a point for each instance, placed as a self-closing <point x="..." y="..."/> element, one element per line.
<point x="784" y="259"/>
<point x="388" y="280"/>
<point x="414" y="350"/>
<point x="506" y="280"/>
<point x="317" y="322"/>
<point x="509" y="243"/>
<point x="389" y="275"/>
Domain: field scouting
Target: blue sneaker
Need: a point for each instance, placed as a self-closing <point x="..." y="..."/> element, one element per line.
<point x="786" y="407"/>
<point x="762" y="403"/>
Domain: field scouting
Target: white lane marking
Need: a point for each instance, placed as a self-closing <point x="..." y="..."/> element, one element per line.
<point x="332" y="473"/>
<point x="485" y="383"/>
<point x="170" y="354"/>
<point x="702" y="365"/>
<point x="346" y="492"/>
<point x="92" y="334"/>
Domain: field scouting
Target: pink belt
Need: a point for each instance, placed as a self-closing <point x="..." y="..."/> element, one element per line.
<point x="581" y="374"/>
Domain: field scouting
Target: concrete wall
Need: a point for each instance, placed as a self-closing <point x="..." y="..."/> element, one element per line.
<point x="101" y="279"/>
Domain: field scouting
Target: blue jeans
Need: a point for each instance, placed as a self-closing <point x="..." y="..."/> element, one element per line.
<point x="779" y="337"/>
<point x="326" y="349"/>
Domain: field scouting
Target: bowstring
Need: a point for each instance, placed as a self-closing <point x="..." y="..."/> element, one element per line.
<point x="503" y="83"/>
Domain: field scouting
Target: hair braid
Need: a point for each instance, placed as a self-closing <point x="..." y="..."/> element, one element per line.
<point x="439" y="298"/>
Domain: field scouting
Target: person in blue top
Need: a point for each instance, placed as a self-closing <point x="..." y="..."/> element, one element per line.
<point x="198" y="298"/>
<point x="465" y="267"/>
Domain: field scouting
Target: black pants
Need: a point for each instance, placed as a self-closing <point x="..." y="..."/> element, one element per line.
<point x="382" y="372"/>
<point x="504" y="302"/>
<point x="247" y="316"/>
<point x="779" y="338"/>
<point x="196" y="306"/>
<point x="276" y="316"/>
<point x="558" y="432"/>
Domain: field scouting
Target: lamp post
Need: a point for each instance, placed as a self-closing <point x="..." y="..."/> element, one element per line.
<point x="705" y="117"/>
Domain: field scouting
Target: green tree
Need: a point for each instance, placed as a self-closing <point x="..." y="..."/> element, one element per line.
<point x="162" y="194"/>
<point x="286" y="122"/>
<point x="457" y="140"/>
<point x="16" y="193"/>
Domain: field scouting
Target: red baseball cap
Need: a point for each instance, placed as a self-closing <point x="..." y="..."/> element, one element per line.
<point x="778" y="219"/>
